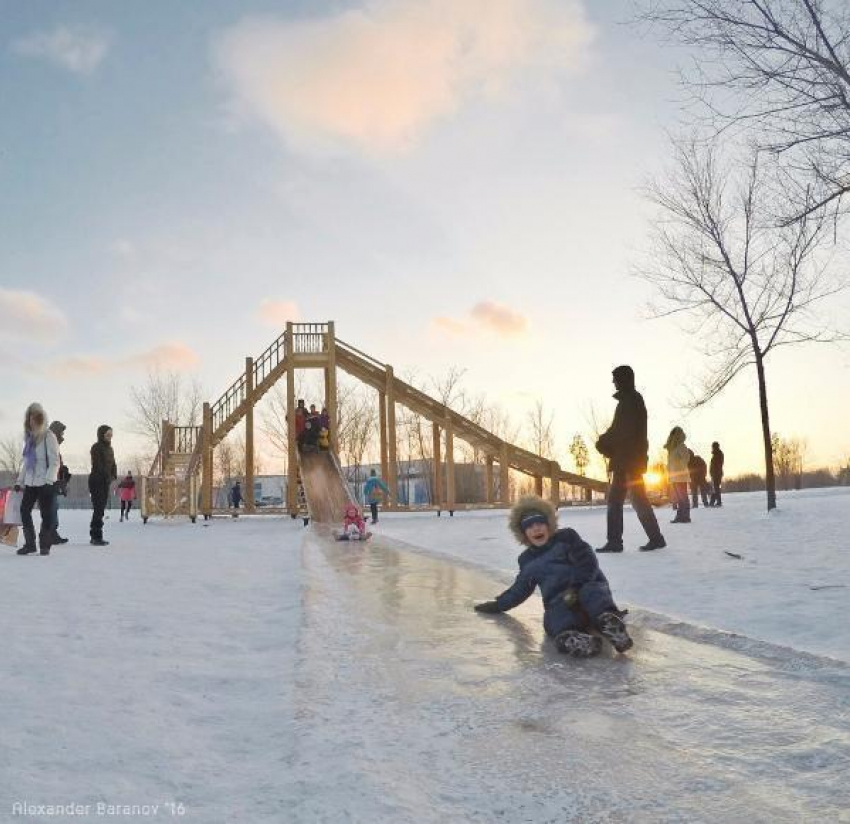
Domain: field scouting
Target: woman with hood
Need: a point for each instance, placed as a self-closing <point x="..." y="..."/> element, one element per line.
<point x="38" y="473"/>
<point x="576" y="595"/>
<point x="103" y="473"/>
<point x="678" y="457"/>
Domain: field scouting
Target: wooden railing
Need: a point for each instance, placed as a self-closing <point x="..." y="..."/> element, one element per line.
<point x="266" y="363"/>
<point x="309" y="338"/>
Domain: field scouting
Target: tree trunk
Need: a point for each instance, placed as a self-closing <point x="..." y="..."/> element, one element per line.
<point x="769" y="478"/>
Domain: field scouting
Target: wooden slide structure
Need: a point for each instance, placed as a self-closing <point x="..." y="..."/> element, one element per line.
<point x="180" y="481"/>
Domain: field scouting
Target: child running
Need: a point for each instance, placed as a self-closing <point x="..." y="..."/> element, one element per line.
<point x="576" y="595"/>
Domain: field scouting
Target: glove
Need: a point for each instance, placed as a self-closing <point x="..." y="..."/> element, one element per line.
<point x="570" y="597"/>
<point x="488" y="607"/>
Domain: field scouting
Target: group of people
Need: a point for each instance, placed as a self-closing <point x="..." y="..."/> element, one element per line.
<point x="685" y="468"/>
<point x="312" y="428"/>
<point x="43" y="478"/>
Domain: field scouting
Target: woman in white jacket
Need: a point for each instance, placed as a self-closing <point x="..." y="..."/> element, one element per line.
<point x="38" y="474"/>
<point x="678" y="456"/>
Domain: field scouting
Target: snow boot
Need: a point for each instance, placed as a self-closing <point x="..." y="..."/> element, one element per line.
<point x="611" y="546"/>
<point x="27" y="549"/>
<point x="612" y="627"/>
<point x="98" y="542"/>
<point x="578" y="644"/>
<point x="654" y="543"/>
<point x="58" y="539"/>
<point x="678" y="520"/>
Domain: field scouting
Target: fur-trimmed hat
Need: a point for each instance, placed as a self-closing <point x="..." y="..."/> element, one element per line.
<point x="528" y="505"/>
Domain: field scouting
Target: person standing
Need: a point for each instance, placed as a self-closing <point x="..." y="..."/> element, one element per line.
<point x="699" y="483"/>
<point x="39" y="470"/>
<point x="61" y="486"/>
<point x="715" y="469"/>
<point x="626" y="447"/>
<point x="103" y="473"/>
<point x="373" y="491"/>
<point x="236" y="496"/>
<point x="127" y="493"/>
<point x="678" y="473"/>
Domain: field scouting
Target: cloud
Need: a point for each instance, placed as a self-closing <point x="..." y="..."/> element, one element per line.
<point x="376" y="77"/>
<point x="174" y="356"/>
<point x="277" y="312"/>
<point x="29" y="316"/>
<point x="486" y="316"/>
<point x="79" y="50"/>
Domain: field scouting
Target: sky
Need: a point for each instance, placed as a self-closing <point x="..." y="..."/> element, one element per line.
<point x="454" y="184"/>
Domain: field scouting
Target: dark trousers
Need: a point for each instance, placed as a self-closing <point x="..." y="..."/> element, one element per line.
<point x="699" y="490"/>
<point x="44" y="495"/>
<point x="715" y="495"/>
<point x="99" y="491"/>
<point x="373" y="505"/>
<point x="126" y="506"/>
<point x="55" y="512"/>
<point x="629" y="484"/>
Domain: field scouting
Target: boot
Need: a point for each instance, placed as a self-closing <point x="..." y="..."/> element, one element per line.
<point x="27" y="549"/>
<point x="44" y="544"/>
<point x="613" y="628"/>
<point x="58" y="539"/>
<point x="29" y="542"/>
<point x="98" y="542"/>
<point x="680" y="520"/>
<point x="611" y="546"/>
<point x="578" y="644"/>
<point x="654" y="543"/>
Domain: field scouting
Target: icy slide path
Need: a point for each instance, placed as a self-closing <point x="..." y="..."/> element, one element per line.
<point x="409" y="707"/>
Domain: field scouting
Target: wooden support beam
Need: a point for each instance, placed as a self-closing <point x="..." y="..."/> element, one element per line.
<point x="437" y="473"/>
<point x="330" y="387"/>
<point x="292" y="457"/>
<point x="382" y="413"/>
<point x="538" y="485"/>
<point x="504" y="475"/>
<point x="207" y="462"/>
<point x="488" y="479"/>
<point x="249" y="435"/>
<point x="555" y="484"/>
<point x="450" y="465"/>
<point x="392" y="474"/>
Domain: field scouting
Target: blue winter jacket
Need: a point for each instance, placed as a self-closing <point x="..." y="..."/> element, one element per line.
<point x="370" y="493"/>
<point x="564" y="562"/>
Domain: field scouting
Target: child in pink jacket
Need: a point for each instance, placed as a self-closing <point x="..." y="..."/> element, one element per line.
<point x="127" y="493"/>
<point x="353" y="525"/>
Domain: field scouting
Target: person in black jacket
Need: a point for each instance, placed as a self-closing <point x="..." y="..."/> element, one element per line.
<point x="61" y="486"/>
<point x="103" y="473"/>
<point x="626" y="447"/>
<point x="699" y="483"/>
<point x="576" y="595"/>
<point x="715" y="469"/>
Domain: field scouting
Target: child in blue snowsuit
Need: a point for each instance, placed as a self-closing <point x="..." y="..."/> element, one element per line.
<point x="576" y="595"/>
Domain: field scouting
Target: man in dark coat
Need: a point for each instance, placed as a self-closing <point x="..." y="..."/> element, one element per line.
<point x="103" y="473"/>
<point x="58" y="429"/>
<point x="699" y="483"/>
<point x="716" y="471"/>
<point x="626" y="447"/>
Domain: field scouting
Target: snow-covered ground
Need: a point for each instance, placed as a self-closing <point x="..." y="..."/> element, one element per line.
<point x="253" y="671"/>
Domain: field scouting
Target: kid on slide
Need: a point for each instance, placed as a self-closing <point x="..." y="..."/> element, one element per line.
<point x="576" y="595"/>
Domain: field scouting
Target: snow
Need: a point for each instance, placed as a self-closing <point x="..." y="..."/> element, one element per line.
<point x="255" y="671"/>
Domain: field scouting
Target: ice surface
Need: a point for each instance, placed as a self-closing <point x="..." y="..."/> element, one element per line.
<point x="258" y="672"/>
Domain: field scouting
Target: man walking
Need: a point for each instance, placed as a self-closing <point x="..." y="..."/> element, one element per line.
<point x="716" y="471"/>
<point x="374" y="490"/>
<point x="626" y="447"/>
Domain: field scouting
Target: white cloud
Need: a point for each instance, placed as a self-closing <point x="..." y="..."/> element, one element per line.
<point x="378" y="76"/>
<point x="168" y="356"/>
<point x="277" y="312"/>
<point x="78" y="50"/>
<point x="486" y="316"/>
<point x="29" y="316"/>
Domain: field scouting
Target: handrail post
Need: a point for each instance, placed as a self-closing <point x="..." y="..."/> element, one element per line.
<point x="207" y="463"/>
<point x="249" y="434"/>
<point x="292" y="457"/>
<point x="392" y="479"/>
<point x="330" y="383"/>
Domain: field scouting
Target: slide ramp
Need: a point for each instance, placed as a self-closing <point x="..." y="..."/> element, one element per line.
<point x="325" y="487"/>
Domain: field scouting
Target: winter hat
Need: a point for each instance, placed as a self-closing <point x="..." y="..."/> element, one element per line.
<point x="715" y="445"/>
<point x="102" y="430"/>
<point x="529" y="510"/>
<point x="624" y="376"/>
<point x="57" y="428"/>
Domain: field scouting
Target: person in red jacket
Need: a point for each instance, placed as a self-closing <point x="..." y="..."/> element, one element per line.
<point x="127" y="493"/>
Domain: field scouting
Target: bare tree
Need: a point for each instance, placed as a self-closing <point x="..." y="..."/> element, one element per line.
<point x="165" y="396"/>
<point x="788" y="456"/>
<point x="11" y="454"/>
<point x="541" y="440"/>
<point x="787" y="66"/>
<point x="747" y="285"/>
